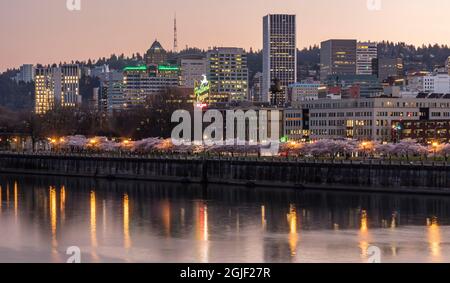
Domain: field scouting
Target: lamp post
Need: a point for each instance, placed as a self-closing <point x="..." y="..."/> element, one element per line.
<point x="435" y="146"/>
<point x="364" y="146"/>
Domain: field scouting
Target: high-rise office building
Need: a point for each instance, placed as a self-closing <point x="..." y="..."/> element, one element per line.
<point x="279" y="52"/>
<point x="67" y="85"/>
<point x="140" y="83"/>
<point x="337" y="57"/>
<point x="228" y="74"/>
<point x="365" y="53"/>
<point x="44" y="90"/>
<point x="57" y="86"/>
<point x="192" y="70"/>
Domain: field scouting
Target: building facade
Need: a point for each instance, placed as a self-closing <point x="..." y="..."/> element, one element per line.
<point x="256" y="90"/>
<point x="304" y="91"/>
<point x="366" y="85"/>
<point x="279" y="52"/>
<point x="390" y="68"/>
<point x="364" y="118"/>
<point x="139" y="83"/>
<point x="366" y="52"/>
<point x="227" y="73"/>
<point x="156" y="54"/>
<point x="44" y="90"/>
<point x="192" y="70"/>
<point x="26" y="74"/>
<point x="425" y="132"/>
<point x="447" y="65"/>
<point x="67" y="85"/>
<point x="57" y="86"/>
<point x="337" y="57"/>
<point x="111" y="92"/>
<point x="429" y="83"/>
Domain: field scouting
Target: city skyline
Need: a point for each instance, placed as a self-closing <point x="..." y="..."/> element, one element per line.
<point x="45" y="24"/>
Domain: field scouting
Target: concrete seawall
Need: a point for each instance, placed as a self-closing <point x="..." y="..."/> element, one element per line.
<point x="364" y="176"/>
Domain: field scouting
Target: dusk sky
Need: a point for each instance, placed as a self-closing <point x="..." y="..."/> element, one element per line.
<point x="44" y="31"/>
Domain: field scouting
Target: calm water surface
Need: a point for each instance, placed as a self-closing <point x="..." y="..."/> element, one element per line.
<point x="124" y="221"/>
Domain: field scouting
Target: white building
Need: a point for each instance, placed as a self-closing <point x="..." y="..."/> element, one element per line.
<point x="228" y="74"/>
<point x="279" y="52"/>
<point x="192" y="70"/>
<point x="67" y="85"/>
<point x="365" y="53"/>
<point x="26" y="74"/>
<point x="438" y="83"/>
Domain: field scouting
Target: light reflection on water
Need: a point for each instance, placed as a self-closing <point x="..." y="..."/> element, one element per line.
<point x="124" y="221"/>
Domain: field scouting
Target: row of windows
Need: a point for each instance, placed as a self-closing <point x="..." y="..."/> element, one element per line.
<point x="293" y="123"/>
<point x="294" y="115"/>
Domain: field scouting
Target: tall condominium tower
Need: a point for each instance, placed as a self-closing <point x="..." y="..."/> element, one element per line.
<point x="57" y="86"/>
<point x="337" y="57"/>
<point x="279" y="52"/>
<point x="228" y="74"/>
<point x="365" y="53"/>
<point x="44" y="90"/>
<point x="67" y="85"/>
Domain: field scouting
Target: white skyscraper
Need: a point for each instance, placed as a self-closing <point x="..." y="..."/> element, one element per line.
<point x="192" y="70"/>
<point x="67" y="85"/>
<point x="279" y="52"/>
<point x="365" y="53"/>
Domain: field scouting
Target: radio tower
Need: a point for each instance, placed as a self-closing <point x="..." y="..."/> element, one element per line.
<point x="175" y="39"/>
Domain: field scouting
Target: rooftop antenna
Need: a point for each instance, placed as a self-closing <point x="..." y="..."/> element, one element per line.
<point x="175" y="39"/>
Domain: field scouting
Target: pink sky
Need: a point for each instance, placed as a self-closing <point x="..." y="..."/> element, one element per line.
<point x="44" y="31"/>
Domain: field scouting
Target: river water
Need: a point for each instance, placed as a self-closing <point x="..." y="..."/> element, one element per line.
<point x="129" y="221"/>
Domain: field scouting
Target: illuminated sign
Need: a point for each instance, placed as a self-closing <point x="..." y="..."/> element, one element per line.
<point x="167" y="68"/>
<point x="201" y="105"/>
<point x="138" y="68"/>
<point x="201" y="90"/>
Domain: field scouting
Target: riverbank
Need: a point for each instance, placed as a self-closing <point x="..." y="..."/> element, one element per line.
<point x="368" y="175"/>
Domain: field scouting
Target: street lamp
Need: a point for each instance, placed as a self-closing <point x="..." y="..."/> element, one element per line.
<point x="435" y="145"/>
